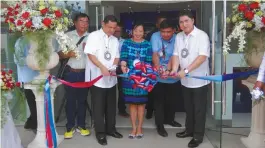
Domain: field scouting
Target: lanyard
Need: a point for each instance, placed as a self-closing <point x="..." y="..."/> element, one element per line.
<point x="106" y="43"/>
<point x="186" y="40"/>
<point x="163" y="50"/>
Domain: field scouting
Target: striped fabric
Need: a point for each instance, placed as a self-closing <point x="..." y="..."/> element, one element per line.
<point x="130" y="51"/>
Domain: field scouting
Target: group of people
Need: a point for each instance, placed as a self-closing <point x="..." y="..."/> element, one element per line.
<point x="175" y="55"/>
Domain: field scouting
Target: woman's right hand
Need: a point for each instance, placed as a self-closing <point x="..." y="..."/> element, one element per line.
<point x="124" y="69"/>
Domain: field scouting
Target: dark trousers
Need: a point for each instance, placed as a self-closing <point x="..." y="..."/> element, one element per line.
<point x="195" y="102"/>
<point x="32" y="105"/>
<point x="165" y="98"/>
<point x="104" y="108"/>
<point x="150" y="103"/>
<point x="121" y="102"/>
<point x="75" y="98"/>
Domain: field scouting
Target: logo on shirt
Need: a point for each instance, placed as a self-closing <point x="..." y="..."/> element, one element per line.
<point x="107" y="56"/>
<point x="184" y="53"/>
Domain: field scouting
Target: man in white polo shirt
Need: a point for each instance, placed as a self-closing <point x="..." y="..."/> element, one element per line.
<point x="191" y="53"/>
<point x="103" y="54"/>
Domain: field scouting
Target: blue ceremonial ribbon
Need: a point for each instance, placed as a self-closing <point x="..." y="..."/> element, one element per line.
<point x="216" y="78"/>
<point x="225" y="77"/>
<point x="52" y="125"/>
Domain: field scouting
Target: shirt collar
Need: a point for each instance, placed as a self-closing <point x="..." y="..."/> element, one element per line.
<point x="75" y="32"/>
<point x="193" y="32"/>
<point x="103" y="34"/>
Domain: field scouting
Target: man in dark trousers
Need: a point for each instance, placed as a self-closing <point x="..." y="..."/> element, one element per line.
<point x="164" y="93"/>
<point x="192" y="52"/>
<point x="121" y="104"/>
<point x="75" y="72"/>
<point x="103" y="53"/>
<point x="25" y="75"/>
<point x="150" y="103"/>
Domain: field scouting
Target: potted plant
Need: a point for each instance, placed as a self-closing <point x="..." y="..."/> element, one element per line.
<point x="39" y="22"/>
<point x="248" y="21"/>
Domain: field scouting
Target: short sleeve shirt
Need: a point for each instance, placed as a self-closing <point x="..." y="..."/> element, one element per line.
<point x="188" y="48"/>
<point x="100" y="45"/>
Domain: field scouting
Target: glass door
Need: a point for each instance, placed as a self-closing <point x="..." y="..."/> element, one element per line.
<point x="216" y="102"/>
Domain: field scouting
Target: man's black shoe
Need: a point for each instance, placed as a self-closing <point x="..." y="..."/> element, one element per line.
<point x="184" y="134"/>
<point x="102" y="140"/>
<point x="115" y="135"/>
<point x="174" y="124"/>
<point x="194" y="143"/>
<point x="30" y="124"/>
<point x="161" y="131"/>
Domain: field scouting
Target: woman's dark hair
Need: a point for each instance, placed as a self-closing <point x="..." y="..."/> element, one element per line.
<point x="167" y="24"/>
<point x="186" y="13"/>
<point x="136" y="24"/>
<point x="110" y="18"/>
<point x="80" y="15"/>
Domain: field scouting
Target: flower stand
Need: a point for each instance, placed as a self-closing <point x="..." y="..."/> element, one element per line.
<point x="256" y="138"/>
<point x="40" y="139"/>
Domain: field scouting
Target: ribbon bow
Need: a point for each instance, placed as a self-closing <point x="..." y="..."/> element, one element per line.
<point x="143" y="76"/>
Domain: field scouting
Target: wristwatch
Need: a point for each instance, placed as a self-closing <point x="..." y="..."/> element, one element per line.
<point x="186" y="70"/>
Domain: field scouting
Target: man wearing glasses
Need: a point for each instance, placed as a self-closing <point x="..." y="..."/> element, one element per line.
<point x="75" y="72"/>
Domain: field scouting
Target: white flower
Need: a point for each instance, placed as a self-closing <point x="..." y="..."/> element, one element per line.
<point x="257" y="94"/>
<point x="37" y="22"/>
<point x="258" y="23"/>
<point x="262" y="7"/>
<point x="65" y="42"/>
<point x="239" y="33"/>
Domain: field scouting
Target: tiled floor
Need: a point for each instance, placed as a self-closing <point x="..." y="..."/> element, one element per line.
<point x="230" y="137"/>
<point x="151" y="140"/>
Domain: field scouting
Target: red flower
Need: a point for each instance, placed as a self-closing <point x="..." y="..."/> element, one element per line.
<point x="47" y="22"/>
<point x="24" y="1"/>
<point x="8" y="85"/>
<point x="25" y="15"/>
<point x="17" y="6"/>
<point x="7" y="20"/>
<point x="263" y="20"/>
<point x="19" y="23"/>
<point x="254" y="5"/>
<point x="44" y="11"/>
<point x="28" y="24"/>
<point x="10" y="13"/>
<point x="249" y="15"/>
<point x="3" y="72"/>
<point x="18" y="84"/>
<point x="58" y="13"/>
<point x="12" y="20"/>
<point x="242" y="7"/>
<point x="10" y="71"/>
<point x="16" y="12"/>
<point x="10" y="9"/>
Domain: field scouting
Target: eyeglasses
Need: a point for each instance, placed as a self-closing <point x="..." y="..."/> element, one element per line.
<point x="85" y="22"/>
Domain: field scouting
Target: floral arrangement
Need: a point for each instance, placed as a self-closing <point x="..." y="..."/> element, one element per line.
<point x="246" y="16"/>
<point x="39" y="20"/>
<point x="8" y="85"/>
<point x="257" y="95"/>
